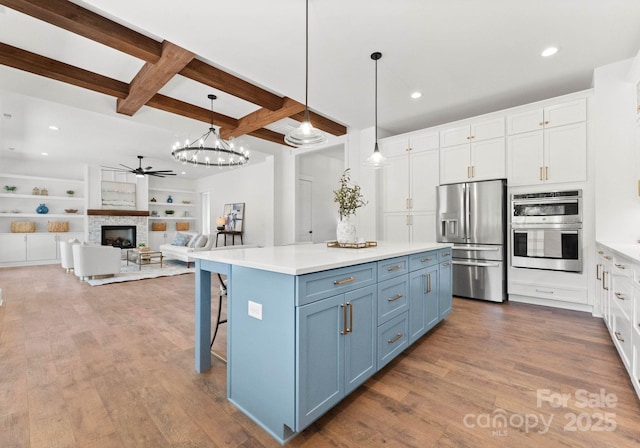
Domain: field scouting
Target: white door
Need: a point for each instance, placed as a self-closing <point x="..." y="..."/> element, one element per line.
<point x="304" y="211"/>
<point x="396" y="227"/>
<point x="424" y="178"/>
<point x="395" y="184"/>
<point x="14" y="247"/>
<point x="41" y="246"/>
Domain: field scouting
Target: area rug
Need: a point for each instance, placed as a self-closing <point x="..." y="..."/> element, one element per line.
<point x="132" y="272"/>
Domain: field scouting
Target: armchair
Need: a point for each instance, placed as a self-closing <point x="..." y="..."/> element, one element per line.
<point x="96" y="261"/>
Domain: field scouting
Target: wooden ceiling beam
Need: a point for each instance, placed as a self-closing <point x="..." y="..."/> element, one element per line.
<point x="152" y="77"/>
<point x="261" y="118"/>
<point x="50" y="68"/>
<point x="269" y="135"/>
<point x="322" y="123"/>
<point x="167" y="104"/>
<point x="74" y="18"/>
<point x="214" y="77"/>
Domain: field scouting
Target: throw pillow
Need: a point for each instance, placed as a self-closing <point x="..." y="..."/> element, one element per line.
<point x="181" y="239"/>
<point x="202" y="241"/>
<point x="192" y="241"/>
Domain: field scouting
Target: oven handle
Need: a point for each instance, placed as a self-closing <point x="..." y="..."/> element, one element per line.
<point x="487" y="249"/>
<point x="568" y="228"/>
<point x="475" y="263"/>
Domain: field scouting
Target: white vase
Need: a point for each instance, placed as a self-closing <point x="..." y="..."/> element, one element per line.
<point x="346" y="230"/>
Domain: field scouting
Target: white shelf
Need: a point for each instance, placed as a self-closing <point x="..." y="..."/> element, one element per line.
<point x="37" y="196"/>
<point x="41" y="215"/>
<point x="172" y="204"/>
<point x="175" y="218"/>
<point x="40" y="178"/>
<point x="171" y="190"/>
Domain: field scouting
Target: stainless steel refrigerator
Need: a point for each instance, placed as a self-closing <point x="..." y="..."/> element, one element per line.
<point x="472" y="216"/>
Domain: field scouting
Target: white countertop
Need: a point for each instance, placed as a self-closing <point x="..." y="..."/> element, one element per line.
<point x="307" y="258"/>
<point x="629" y="250"/>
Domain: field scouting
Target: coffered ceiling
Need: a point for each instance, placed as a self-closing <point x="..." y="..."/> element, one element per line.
<point x="132" y="77"/>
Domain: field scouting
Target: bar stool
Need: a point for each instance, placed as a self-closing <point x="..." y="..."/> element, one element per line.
<point x="223" y="293"/>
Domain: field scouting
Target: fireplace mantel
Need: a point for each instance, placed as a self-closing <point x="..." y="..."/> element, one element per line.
<point x="108" y="212"/>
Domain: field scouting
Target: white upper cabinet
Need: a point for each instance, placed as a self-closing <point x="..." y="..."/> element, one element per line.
<point x="551" y="116"/>
<point x="472" y="132"/>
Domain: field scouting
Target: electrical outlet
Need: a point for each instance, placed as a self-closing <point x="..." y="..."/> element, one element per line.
<point x="255" y="310"/>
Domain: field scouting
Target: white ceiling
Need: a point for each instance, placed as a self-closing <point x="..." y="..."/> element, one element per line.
<point x="467" y="57"/>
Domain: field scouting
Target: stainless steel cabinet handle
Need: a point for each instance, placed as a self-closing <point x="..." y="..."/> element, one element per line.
<point x="619" y="296"/>
<point x="604" y="281"/>
<point x="350" y="329"/>
<point x="445" y="264"/>
<point x="544" y="291"/>
<point x="607" y="258"/>
<point x="424" y="260"/>
<point x="344" y="318"/>
<point x="598" y="266"/>
<point x="620" y="266"/>
<point x="395" y="339"/>
<point x="447" y="254"/>
<point x="344" y="280"/>
<point x="427" y="282"/>
<point x="618" y="337"/>
<point x="394" y="268"/>
<point x="394" y="298"/>
<point x="600" y="252"/>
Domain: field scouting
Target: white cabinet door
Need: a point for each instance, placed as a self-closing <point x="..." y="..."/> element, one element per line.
<point x="455" y="136"/>
<point x="423" y="227"/>
<point x="14" y="247"/>
<point x="424" y="142"/>
<point x="566" y="153"/>
<point x="488" y="129"/>
<point x="525" y="158"/>
<point x="424" y="179"/>
<point x="455" y="164"/>
<point x="42" y="246"/>
<point x="566" y="113"/>
<point x="394" y="146"/>
<point x="531" y="120"/>
<point x="396" y="227"/>
<point x="395" y="184"/>
<point x="488" y="160"/>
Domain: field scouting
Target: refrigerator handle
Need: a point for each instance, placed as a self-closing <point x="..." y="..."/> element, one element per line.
<point x="467" y="212"/>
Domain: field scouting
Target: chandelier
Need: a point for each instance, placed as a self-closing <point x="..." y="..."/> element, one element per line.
<point x="219" y="153"/>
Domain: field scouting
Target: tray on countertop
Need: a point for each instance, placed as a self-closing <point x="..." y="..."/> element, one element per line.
<point x="362" y="245"/>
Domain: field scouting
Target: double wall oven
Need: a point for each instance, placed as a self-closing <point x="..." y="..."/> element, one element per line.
<point x="546" y="230"/>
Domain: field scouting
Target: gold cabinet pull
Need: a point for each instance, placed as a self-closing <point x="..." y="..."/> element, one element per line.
<point x="618" y="337"/>
<point x="344" y="280"/>
<point x="350" y="329"/>
<point x="408" y="206"/>
<point x="598" y="266"/>
<point x="600" y="252"/>
<point x="546" y="173"/>
<point x="620" y="266"/>
<point x="395" y="339"/>
<point x="473" y="171"/>
<point x="344" y="318"/>
<point x="468" y="172"/>
<point x="546" y="122"/>
<point x="394" y="268"/>
<point x="540" y="173"/>
<point x="541" y="123"/>
<point x="394" y="298"/>
<point x="604" y="282"/>
<point x="619" y="296"/>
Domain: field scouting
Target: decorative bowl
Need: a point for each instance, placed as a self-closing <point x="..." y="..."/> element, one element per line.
<point x="186" y="202"/>
<point x="71" y="210"/>
<point x="169" y="212"/>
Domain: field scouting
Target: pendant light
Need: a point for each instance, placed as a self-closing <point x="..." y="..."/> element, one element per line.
<point x="376" y="160"/>
<point x="305" y="135"/>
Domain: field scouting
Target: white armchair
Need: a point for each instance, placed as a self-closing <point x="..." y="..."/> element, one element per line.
<point x="96" y="261"/>
<point x="66" y="254"/>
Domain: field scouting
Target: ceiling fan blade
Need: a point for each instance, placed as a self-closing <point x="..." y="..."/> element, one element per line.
<point x="113" y="168"/>
<point x="148" y="168"/>
<point x="160" y="171"/>
<point x="128" y="167"/>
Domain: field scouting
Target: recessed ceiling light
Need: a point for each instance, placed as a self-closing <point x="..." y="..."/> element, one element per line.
<point x="549" y="52"/>
<point x="54" y="127"/>
<point x="11" y="148"/>
<point x="183" y="172"/>
<point x="416" y="95"/>
<point x="44" y="153"/>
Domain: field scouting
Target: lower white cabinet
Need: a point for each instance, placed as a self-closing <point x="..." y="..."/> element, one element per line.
<point x="156" y="238"/>
<point x="26" y="248"/>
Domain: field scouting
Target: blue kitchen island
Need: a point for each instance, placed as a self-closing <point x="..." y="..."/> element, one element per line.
<point x="308" y="324"/>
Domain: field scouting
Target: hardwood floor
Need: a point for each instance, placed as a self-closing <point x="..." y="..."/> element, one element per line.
<point x="113" y="366"/>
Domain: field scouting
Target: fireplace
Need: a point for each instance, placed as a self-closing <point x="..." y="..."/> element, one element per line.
<point x="123" y="237"/>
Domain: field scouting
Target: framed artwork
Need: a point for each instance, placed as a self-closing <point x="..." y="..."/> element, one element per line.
<point x="118" y="195"/>
<point x="234" y="217"/>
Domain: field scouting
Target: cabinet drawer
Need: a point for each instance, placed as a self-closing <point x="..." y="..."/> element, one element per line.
<point x="623" y="267"/>
<point x="444" y="255"/>
<point x="622" y="334"/>
<point x="424" y="259"/>
<point x="320" y="285"/>
<point x="552" y="292"/>
<point x="393" y="298"/>
<point x="392" y="267"/>
<point x="393" y="338"/>
<point x="622" y="292"/>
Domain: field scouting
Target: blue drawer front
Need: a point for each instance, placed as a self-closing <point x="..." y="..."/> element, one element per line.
<point x="393" y="338"/>
<point x="392" y="267"/>
<point x="424" y="259"/>
<point x="444" y="255"/>
<point x="320" y="285"/>
<point x="393" y="298"/>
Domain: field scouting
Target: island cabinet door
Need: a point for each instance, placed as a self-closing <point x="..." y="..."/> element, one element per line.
<point x="445" y="299"/>
<point x="423" y="298"/>
<point x="320" y="355"/>
<point x="336" y="350"/>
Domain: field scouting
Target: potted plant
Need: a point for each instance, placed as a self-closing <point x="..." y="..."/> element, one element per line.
<point x="349" y="199"/>
<point x="71" y="192"/>
<point x="10" y="188"/>
<point x="142" y="247"/>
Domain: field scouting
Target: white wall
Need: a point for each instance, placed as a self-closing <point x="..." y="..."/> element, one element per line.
<point x="253" y="185"/>
<point x="616" y="156"/>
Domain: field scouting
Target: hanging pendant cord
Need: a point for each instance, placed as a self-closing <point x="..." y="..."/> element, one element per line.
<point x="306" y="66"/>
<point x="376" y="103"/>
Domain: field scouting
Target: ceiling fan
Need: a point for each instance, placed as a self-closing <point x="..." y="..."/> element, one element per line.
<point x="141" y="172"/>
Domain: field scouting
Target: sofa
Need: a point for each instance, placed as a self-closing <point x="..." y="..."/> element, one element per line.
<point x="95" y="261"/>
<point x="183" y="248"/>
